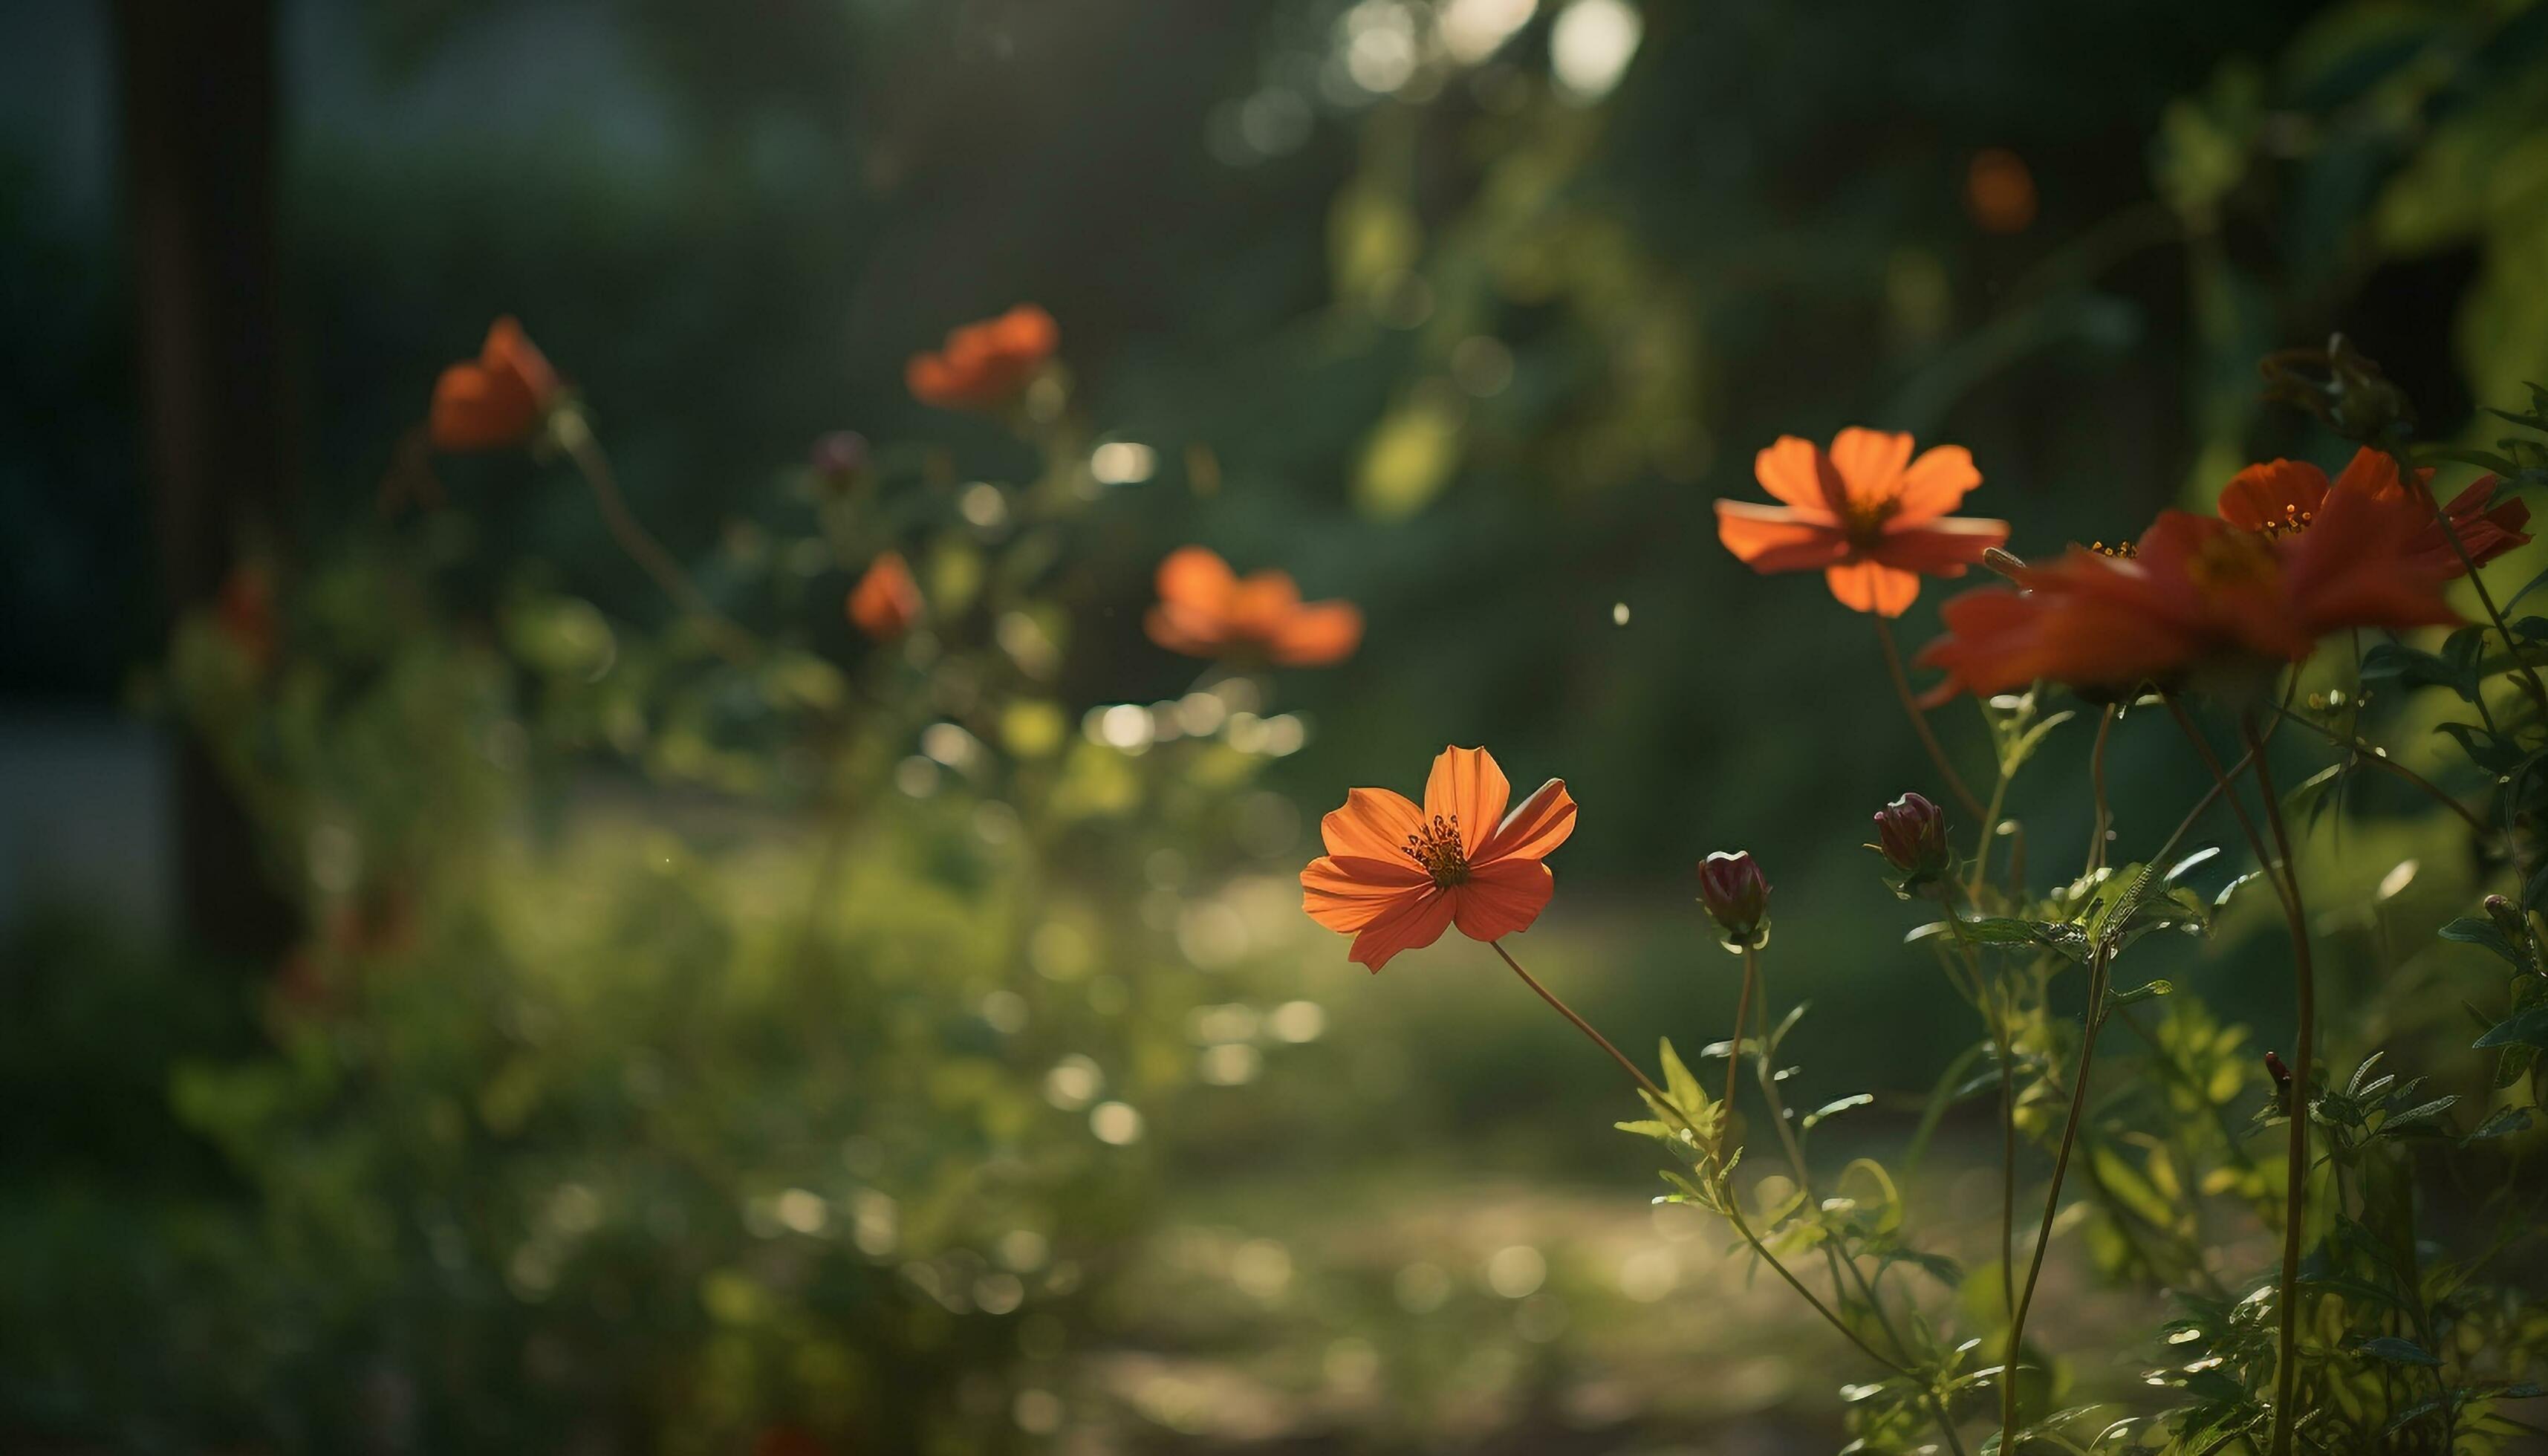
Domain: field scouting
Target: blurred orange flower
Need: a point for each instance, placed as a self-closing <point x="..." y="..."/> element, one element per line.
<point x="1999" y="191"/>
<point x="1207" y="610"/>
<point x="2200" y="591"/>
<point x="1394" y="876"/>
<point x="985" y="365"/>
<point x="497" y="399"/>
<point x="1869" y="517"/>
<point x="2282" y="496"/>
<point x="887" y="600"/>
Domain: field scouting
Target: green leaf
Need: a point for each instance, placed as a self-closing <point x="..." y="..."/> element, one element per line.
<point x="2137" y="994"/>
<point x="2398" y="1351"/>
<point x="1838" y="1105"/>
<point x="2524" y="1028"/>
<point x="2504" y="1122"/>
<point x="2415" y="1118"/>
<point x="2477" y="930"/>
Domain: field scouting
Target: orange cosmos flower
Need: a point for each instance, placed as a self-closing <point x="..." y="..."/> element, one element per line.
<point x="887" y="600"/>
<point x="1394" y="876"/>
<point x="1207" y="610"/>
<point x="1869" y="517"/>
<point x="497" y="399"/>
<point x="985" y="365"/>
<point x="2282" y="496"/>
<point x="2198" y="592"/>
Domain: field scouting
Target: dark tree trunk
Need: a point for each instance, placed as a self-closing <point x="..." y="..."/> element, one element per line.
<point x="199" y="120"/>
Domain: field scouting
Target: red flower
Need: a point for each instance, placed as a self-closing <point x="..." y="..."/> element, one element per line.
<point x="2200" y="591"/>
<point x="1395" y="878"/>
<point x="1867" y="515"/>
<point x="498" y="399"/>
<point x="1206" y="610"/>
<point x="985" y="365"/>
<point x="2283" y="497"/>
<point x="887" y="600"/>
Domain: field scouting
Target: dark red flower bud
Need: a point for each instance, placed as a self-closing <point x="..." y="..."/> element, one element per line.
<point x="1911" y="835"/>
<point x="2282" y="1074"/>
<point x="1737" y="897"/>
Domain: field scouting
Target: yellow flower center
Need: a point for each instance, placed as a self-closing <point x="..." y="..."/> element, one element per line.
<point x="2119" y="550"/>
<point x="1436" y="850"/>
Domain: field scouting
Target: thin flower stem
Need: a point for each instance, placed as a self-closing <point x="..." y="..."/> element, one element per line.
<point x="2097" y="776"/>
<point x="2371" y="753"/>
<point x="2096" y="1021"/>
<point x="1990" y="1010"/>
<point x="1742" y="1021"/>
<point x="1586" y="1026"/>
<point x="2222" y="780"/>
<point x="1982" y="839"/>
<point x="1796" y="1159"/>
<point x="575" y="437"/>
<point x="1734" y="1213"/>
<point x="1920" y="720"/>
<point x="2304" y="1038"/>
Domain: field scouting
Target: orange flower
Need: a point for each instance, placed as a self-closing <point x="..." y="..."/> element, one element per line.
<point x="985" y="365"/>
<point x="2282" y="496"/>
<point x="1869" y="517"/>
<point x="497" y="399"/>
<point x="1394" y="876"/>
<point x="887" y="600"/>
<point x="2199" y="591"/>
<point x="1206" y="610"/>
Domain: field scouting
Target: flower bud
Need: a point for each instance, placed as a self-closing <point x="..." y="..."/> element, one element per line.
<point x="1737" y="897"/>
<point x="2507" y="918"/>
<point x="2281" y="1074"/>
<point x="1911" y="835"/>
<point x="2344" y="388"/>
<point x="839" y="456"/>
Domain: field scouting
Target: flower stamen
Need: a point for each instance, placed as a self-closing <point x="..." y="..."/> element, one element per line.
<point x="1436" y="850"/>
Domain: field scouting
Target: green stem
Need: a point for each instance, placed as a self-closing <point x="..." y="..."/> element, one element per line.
<point x="2096" y="1022"/>
<point x="2303" y="1039"/>
<point x="2097" y="778"/>
<point x="1734" y="1213"/>
<point x="1920" y="720"/>
<point x="1991" y="1015"/>
<point x="2372" y="752"/>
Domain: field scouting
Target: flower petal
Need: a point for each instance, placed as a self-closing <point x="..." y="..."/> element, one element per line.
<point x="1183" y="629"/>
<point x="1197" y="578"/>
<point x="1797" y="471"/>
<point x="1775" y="538"/>
<point x="1411" y="924"/>
<point x="1935" y="482"/>
<point x="1502" y="899"/>
<point x="1468" y="789"/>
<point x="1535" y="827"/>
<point x="1942" y="546"/>
<point x="1873" y="586"/>
<point x="2374" y="473"/>
<point x="1374" y="824"/>
<point x="1320" y="633"/>
<point x="2273" y="494"/>
<point x="1869" y="462"/>
<point x="1347" y="892"/>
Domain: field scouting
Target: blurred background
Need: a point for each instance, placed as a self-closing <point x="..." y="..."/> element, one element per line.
<point x="488" y="1033"/>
